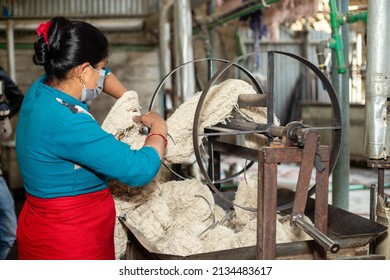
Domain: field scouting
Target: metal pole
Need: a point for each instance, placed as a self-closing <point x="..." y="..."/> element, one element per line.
<point x="183" y="49"/>
<point x="11" y="50"/>
<point x="373" y="194"/>
<point x="165" y="51"/>
<point x="377" y="131"/>
<point x="340" y="181"/>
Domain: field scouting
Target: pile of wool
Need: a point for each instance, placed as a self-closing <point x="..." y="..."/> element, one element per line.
<point x="217" y="107"/>
<point x="138" y="206"/>
<point x="246" y="221"/>
<point x="119" y="120"/>
<point x="170" y="215"/>
<point x="181" y="217"/>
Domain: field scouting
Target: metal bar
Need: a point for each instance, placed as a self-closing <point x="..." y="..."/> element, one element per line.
<point x="207" y="134"/>
<point x="214" y="167"/>
<point x="243" y="126"/>
<point x="234" y="150"/>
<point x="373" y="202"/>
<point x="305" y="171"/>
<point x="318" y="236"/>
<point x="11" y="49"/>
<point x="260" y="206"/>
<point x="381" y="182"/>
<point x="321" y="201"/>
<point x="373" y="193"/>
<point x="210" y="167"/>
<point x="258" y="100"/>
<point x="267" y="206"/>
<point x="285" y="155"/>
<point x="340" y="182"/>
<point x="271" y="88"/>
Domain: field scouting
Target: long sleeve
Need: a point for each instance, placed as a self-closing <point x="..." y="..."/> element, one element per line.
<point x="12" y="93"/>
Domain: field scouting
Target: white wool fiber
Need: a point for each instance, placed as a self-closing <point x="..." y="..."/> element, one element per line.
<point x="217" y="108"/>
<point x="119" y="121"/>
<point x="176" y="216"/>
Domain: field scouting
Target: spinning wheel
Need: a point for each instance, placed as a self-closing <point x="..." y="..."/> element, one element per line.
<point x="210" y="65"/>
<point x="205" y="158"/>
<point x="269" y="128"/>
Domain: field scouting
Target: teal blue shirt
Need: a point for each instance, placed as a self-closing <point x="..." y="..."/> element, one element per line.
<point x="62" y="150"/>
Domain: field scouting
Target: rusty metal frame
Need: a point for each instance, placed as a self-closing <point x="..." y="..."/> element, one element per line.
<point x="269" y="158"/>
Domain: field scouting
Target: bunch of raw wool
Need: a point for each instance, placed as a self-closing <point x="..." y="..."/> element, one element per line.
<point x="277" y="13"/>
<point x="181" y="217"/>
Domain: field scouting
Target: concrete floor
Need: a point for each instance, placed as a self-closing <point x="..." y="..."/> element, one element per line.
<point x="359" y="194"/>
<point x="360" y="180"/>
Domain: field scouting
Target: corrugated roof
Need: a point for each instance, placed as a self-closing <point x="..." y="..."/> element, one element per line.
<point x="82" y="8"/>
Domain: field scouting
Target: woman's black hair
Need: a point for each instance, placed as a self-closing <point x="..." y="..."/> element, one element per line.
<point x="70" y="43"/>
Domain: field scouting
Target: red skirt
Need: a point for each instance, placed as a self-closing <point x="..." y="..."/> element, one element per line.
<point x="67" y="228"/>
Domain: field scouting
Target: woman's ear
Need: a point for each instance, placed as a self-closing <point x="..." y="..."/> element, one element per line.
<point x="80" y="69"/>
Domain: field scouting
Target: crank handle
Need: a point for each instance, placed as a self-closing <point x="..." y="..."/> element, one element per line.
<point x="317" y="235"/>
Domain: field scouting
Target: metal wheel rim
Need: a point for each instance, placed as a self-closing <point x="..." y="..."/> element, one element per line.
<point x="337" y="121"/>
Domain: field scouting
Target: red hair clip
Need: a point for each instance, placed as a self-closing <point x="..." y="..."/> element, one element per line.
<point x="43" y="29"/>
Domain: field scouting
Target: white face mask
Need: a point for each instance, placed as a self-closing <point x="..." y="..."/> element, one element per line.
<point x="88" y="94"/>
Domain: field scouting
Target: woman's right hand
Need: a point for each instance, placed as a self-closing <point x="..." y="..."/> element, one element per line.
<point x="152" y="120"/>
<point x="157" y="137"/>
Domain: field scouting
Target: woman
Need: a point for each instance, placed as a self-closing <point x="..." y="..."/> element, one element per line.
<point x="64" y="156"/>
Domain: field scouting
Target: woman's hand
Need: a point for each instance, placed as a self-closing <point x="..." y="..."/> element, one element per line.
<point x="157" y="138"/>
<point x="152" y="120"/>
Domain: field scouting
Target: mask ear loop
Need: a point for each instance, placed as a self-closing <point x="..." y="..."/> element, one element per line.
<point x="97" y="71"/>
<point x="101" y="73"/>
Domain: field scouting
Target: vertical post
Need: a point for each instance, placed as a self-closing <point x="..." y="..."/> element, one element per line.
<point x="377" y="130"/>
<point x="214" y="164"/>
<point x="11" y="49"/>
<point x="373" y="194"/>
<point x="321" y="201"/>
<point x="271" y="85"/>
<point x="183" y="49"/>
<point x="340" y="182"/>
<point x="267" y="206"/>
<point x="260" y="206"/>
